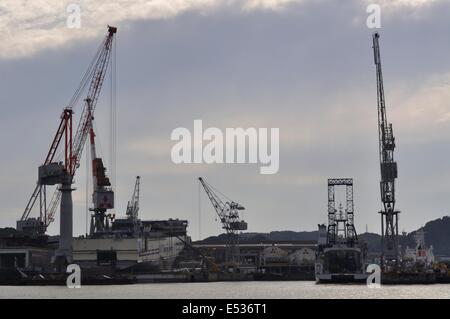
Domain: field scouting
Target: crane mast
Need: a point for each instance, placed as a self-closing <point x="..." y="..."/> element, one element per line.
<point x="389" y="216"/>
<point x="93" y="79"/>
<point x="228" y="213"/>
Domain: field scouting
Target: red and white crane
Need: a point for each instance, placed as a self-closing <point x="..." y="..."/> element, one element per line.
<point x="73" y="147"/>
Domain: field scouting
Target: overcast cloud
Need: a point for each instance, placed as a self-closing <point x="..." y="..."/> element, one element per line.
<point x="303" y="66"/>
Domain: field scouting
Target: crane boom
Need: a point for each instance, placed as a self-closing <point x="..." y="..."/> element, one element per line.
<point x="227" y="212"/>
<point x="96" y="83"/>
<point x="94" y="76"/>
<point x="388" y="168"/>
<point x="217" y="203"/>
<point x="50" y="156"/>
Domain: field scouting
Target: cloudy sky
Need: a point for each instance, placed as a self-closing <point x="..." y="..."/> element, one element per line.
<point x="303" y="66"/>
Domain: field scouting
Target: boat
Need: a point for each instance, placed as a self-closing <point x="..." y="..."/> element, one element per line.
<point x="340" y="256"/>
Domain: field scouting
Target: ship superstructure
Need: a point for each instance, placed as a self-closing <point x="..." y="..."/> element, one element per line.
<point x="420" y="255"/>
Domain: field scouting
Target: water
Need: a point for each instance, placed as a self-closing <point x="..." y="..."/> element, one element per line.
<point x="235" y="290"/>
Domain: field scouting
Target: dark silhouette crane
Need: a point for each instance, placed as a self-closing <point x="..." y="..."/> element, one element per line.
<point x="389" y="216"/>
<point x="133" y="204"/>
<point x="93" y="80"/>
<point x="228" y="213"/>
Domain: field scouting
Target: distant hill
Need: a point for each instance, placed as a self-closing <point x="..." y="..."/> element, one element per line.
<point x="275" y="236"/>
<point x="437" y="234"/>
<point x="7" y="232"/>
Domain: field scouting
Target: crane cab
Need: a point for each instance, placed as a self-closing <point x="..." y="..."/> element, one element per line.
<point x="239" y="225"/>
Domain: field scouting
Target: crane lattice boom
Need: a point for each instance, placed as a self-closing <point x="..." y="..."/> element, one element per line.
<point x="228" y="211"/>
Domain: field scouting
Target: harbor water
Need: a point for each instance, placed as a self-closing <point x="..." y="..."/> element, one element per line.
<point x="232" y="290"/>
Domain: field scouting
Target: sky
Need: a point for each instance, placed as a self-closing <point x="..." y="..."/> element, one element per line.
<point x="303" y="66"/>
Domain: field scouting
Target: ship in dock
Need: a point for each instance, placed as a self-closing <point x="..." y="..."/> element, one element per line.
<point x="340" y="257"/>
<point x="116" y="251"/>
<point x="417" y="265"/>
<point x="153" y="247"/>
<point x="130" y="244"/>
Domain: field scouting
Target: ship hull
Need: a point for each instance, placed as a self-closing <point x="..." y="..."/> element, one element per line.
<point x="127" y="254"/>
<point x="340" y="265"/>
<point x="341" y="278"/>
<point x="408" y="278"/>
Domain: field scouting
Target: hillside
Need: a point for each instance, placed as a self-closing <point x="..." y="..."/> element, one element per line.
<point x="437" y="234"/>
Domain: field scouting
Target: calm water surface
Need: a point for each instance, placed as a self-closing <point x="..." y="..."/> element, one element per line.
<point x="240" y="290"/>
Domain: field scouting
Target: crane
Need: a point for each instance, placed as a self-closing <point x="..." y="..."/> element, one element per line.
<point x="133" y="204"/>
<point x="228" y="213"/>
<point x="93" y="80"/>
<point x="389" y="216"/>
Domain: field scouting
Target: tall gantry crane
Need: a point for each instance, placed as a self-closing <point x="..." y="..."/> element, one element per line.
<point x="228" y="213"/>
<point x="52" y="173"/>
<point x="389" y="216"/>
<point x="341" y="227"/>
